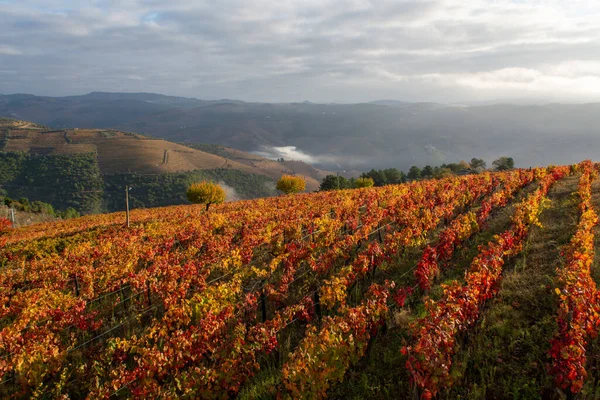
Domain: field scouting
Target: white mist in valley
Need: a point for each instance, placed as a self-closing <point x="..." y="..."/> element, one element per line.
<point x="293" y="153"/>
<point x="230" y="193"/>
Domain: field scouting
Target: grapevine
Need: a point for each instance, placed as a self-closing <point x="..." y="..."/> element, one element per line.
<point x="194" y="303"/>
<point x="579" y="310"/>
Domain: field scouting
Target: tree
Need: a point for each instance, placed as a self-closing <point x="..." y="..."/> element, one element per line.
<point x="393" y="176"/>
<point x="414" y="173"/>
<point x="477" y="163"/>
<point x="378" y="177"/>
<point x="382" y="177"/>
<point x="427" y="172"/>
<point x="440" y="172"/>
<point x="364" y="183"/>
<point x="403" y="177"/>
<point x="454" y="167"/>
<point x="70" y="212"/>
<point x="206" y="193"/>
<point x="504" y="163"/>
<point x="464" y="165"/>
<point x="332" y="182"/>
<point x="289" y="184"/>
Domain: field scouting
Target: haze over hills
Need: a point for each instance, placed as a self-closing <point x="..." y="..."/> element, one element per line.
<point x="385" y="133"/>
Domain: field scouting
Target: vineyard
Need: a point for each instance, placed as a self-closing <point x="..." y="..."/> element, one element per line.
<point x="403" y="291"/>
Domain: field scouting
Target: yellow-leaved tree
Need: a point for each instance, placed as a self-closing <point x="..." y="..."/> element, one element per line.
<point x="364" y="182"/>
<point x="289" y="184"/>
<point x="205" y="193"/>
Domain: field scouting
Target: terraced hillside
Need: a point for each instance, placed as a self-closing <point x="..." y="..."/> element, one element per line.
<point x="471" y="287"/>
<point x="127" y="158"/>
<point x="120" y="152"/>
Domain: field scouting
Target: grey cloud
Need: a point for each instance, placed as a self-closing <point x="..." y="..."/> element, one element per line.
<point x="321" y="50"/>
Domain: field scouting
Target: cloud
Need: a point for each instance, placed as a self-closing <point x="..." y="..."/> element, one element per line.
<point x="570" y="79"/>
<point x="9" y="50"/>
<point x="544" y="81"/>
<point x="320" y="50"/>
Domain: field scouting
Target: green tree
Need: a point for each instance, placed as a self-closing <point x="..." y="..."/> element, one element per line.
<point x="206" y="193"/>
<point x="41" y="207"/>
<point x="378" y="177"/>
<point x="454" y="167"/>
<point x="70" y="213"/>
<point x="477" y="163"/>
<point x="504" y="163"/>
<point x="442" y="172"/>
<point x="290" y="184"/>
<point x="414" y="173"/>
<point x="333" y="182"/>
<point x="427" y="172"/>
<point x="328" y="183"/>
<point x="393" y="176"/>
<point x="403" y="177"/>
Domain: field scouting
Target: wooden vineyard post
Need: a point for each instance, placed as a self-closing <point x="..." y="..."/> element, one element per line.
<point x="76" y="285"/>
<point x="263" y="305"/>
<point x="148" y="293"/>
<point x="13" y="219"/>
<point x="317" y="301"/>
<point x="127" y="205"/>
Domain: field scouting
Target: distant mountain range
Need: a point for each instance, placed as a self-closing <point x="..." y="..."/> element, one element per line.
<point x="386" y="133"/>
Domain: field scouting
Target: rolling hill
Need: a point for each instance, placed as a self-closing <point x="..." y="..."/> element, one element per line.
<point x="381" y="134"/>
<point x="119" y="154"/>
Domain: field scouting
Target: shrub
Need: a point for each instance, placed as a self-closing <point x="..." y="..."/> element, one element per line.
<point x="70" y="213"/>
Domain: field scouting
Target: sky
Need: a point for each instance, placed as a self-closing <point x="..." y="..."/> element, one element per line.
<point x="451" y="51"/>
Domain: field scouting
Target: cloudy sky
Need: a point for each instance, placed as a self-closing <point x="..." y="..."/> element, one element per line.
<point x="317" y="50"/>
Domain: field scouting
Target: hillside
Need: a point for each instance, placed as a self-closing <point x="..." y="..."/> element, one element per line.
<point x="467" y="287"/>
<point x="117" y="154"/>
<point x="121" y="152"/>
<point x="337" y="136"/>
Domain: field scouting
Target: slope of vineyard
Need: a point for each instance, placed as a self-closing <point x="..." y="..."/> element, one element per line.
<point x="387" y="292"/>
